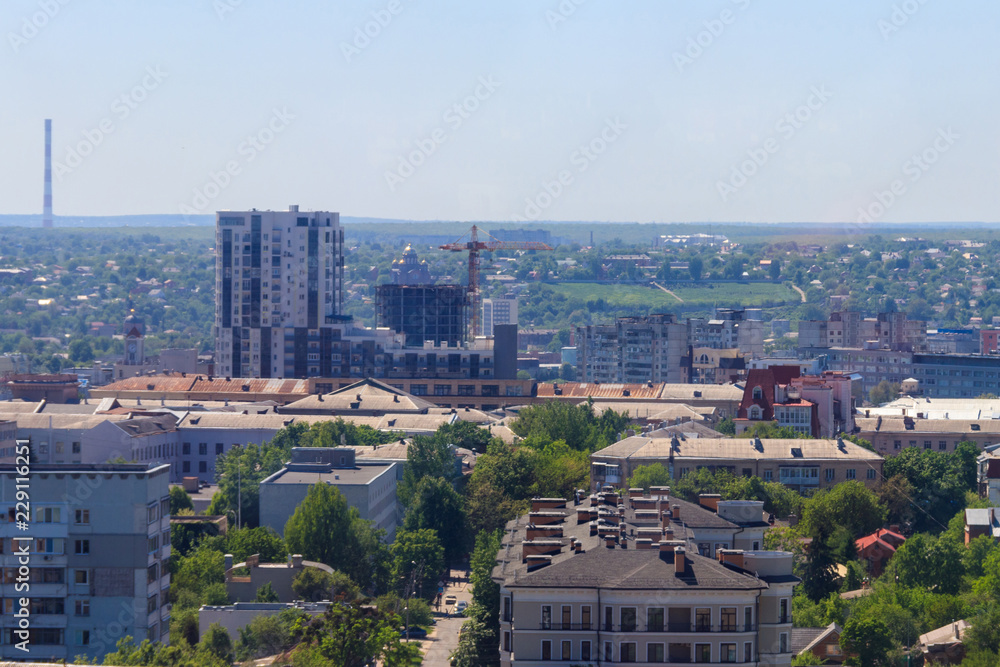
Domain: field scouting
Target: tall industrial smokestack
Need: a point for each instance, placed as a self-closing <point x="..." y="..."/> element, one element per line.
<point x="47" y="199"/>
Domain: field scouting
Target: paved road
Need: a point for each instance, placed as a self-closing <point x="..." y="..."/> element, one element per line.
<point x="443" y="639"/>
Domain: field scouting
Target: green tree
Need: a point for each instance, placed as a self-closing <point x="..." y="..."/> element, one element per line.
<point x="849" y="504"/>
<point x="939" y="481"/>
<point x="479" y="641"/>
<point x="577" y="425"/>
<point x="216" y="644"/>
<point x="179" y="500"/>
<point x="868" y="639"/>
<point x="465" y="434"/>
<point x="726" y="427"/>
<point x="425" y="457"/>
<point x="649" y="476"/>
<point x="928" y="562"/>
<point x="558" y="470"/>
<point x="353" y="636"/>
<point x="437" y="506"/>
<point x="266" y="593"/>
<point x="695" y="267"/>
<point x="262" y="541"/>
<point x="80" y="351"/>
<point x="314" y="585"/>
<point x="883" y="392"/>
<point x="325" y="528"/>
<point x="417" y="562"/>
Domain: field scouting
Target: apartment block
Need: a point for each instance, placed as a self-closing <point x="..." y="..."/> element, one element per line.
<point x="580" y="584"/>
<point x="633" y="350"/>
<point x="805" y="465"/>
<point x="498" y="311"/>
<point x="100" y="543"/>
<point x="278" y="281"/>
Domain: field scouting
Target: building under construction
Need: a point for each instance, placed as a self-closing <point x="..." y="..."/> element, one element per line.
<point x="424" y="312"/>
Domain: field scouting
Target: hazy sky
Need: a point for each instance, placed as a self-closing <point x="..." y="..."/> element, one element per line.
<point x="661" y="111"/>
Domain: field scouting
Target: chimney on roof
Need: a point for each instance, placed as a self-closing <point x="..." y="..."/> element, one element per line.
<point x="320" y="398"/>
<point x="229" y="562"/>
<point x="676" y="512"/>
<point x="609" y="541"/>
<point x="296" y="560"/>
<point x="680" y="562"/>
<point x="666" y="551"/>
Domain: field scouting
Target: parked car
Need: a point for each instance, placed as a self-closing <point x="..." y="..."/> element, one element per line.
<point x="415" y="633"/>
<point x="461" y="607"/>
<point x="449" y="600"/>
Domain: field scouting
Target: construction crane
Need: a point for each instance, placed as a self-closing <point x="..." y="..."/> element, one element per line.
<point x="472" y="243"/>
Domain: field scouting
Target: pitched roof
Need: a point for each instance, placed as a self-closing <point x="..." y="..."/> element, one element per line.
<point x="366" y="395"/>
<point x="646" y="447"/>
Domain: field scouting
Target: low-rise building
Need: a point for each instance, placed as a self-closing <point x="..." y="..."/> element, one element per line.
<point x="890" y="435"/>
<point x="982" y="521"/>
<point x="235" y="617"/>
<point x="876" y="549"/>
<point x="244" y="587"/>
<point x="805" y="465"/>
<point x="824" y="643"/>
<point x="369" y="487"/>
<point x="592" y="588"/>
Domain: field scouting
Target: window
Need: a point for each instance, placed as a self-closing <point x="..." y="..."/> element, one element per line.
<point x="48" y="515"/>
<point x="608" y="619"/>
<point x="82" y="517"/>
<point x="748" y="618"/>
<point x="851" y="473"/>
<point x="654" y="652"/>
<point x="703" y="653"/>
<point x="152" y="513"/>
<point x="202" y="466"/>
<point x="748" y="652"/>
<point x="567" y="617"/>
<point x="927" y="444"/>
<point x="76" y="447"/>
<point x="83" y="637"/>
<point x="628" y="619"/>
<point x="151" y="604"/>
<point x="186" y="449"/>
<point x="727" y="653"/>
<point x="870" y="473"/>
<point x="654" y="620"/>
<point x="783" y="610"/>
<point x="758" y="392"/>
<point x="897" y="444"/>
<point x="153" y="543"/>
<point x="585" y="618"/>
<point x="585" y="650"/>
<point x="783" y="642"/>
<point x="506" y="641"/>
<point x="82" y="548"/>
<point x="727" y="618"/>
<point x="218" y="448"/>
<point x="608" y="651"/>
<point x="81" y="577"/>
<point x="567" y="650"/>
<point x="82" y="608"/>
<point x="768" y="475"/>
<point x="546" y="650"/>
<point x="186" y="466"/>
<point x="203" y="449"/>
<point x="830" y="473"/>
<point x="546" y="617"/>
<point x="942" y="445"/>
<point x="702" y="620"/>
<point x="506" y="610"/>
<point x="626" y="652"/>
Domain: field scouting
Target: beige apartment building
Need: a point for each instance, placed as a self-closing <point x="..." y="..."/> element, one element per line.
<point x="889" y="435"/>
<point x="576" y="590"/>
<point x="805" y="465"/>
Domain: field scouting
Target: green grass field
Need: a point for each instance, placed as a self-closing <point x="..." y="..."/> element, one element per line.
<point x="709" y="294"/>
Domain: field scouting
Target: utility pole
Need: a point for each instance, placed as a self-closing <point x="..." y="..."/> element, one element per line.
<point x="239" y="492"/>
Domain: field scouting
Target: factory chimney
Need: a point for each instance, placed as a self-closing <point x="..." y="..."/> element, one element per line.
<point x="47" y="199"/>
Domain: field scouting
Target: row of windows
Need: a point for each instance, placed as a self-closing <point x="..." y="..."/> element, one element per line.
<point x="655" y="651"/>
<point x="657" y="619"/>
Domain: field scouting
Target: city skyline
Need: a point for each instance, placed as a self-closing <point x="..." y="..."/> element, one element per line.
<point x="729" y="112"/>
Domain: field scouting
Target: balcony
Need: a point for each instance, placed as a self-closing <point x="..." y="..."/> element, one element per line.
<point x="673" y="628"/>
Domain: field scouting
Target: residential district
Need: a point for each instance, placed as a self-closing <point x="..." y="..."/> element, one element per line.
<point x="454" y="487"/>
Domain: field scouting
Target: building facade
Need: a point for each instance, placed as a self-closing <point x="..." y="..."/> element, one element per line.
<point x="278" y="280"/>
<point x="633" y="350"/>
<point x="575" y="590"/>
<point x="98" y="559"/>
<point x="423" y="313"/>
<point x="498" y="311"/>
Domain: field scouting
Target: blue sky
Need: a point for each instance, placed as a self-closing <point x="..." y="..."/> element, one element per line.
<point x="622" y="111"/>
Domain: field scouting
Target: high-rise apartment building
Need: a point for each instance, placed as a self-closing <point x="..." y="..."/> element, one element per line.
<point x="279" y="279"/>
<point x="97" y="559"/>
<point x="633" y="349"/>
<point x="498" y="311"/>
